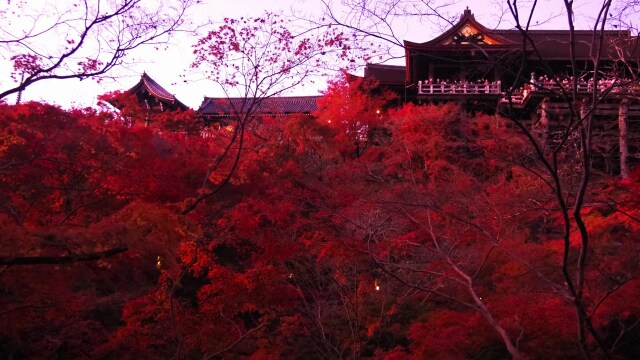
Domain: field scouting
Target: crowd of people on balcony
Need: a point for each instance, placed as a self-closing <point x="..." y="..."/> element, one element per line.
<point x="545" y="83"/>
<point x="479" y="86"/>
<point x="536" y="83"/>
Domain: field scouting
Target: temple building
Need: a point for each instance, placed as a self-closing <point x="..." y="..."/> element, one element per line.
<point x="534" y="76"/>
<point x="468" y="63"/>
<point x="217" y="111"/>
<point x="471" y="61"/>
<point x="154" y="97"/>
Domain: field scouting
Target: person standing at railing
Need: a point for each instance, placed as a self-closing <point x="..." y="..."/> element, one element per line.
<point x="582" y="85"/>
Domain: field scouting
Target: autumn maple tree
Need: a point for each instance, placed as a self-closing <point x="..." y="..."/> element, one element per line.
<point x="368" y="230"/>
<point x="74" y="197"/>
<point x="563" y="162"/>
<point x="430" y="240"/>
<point x="255" y="58"/>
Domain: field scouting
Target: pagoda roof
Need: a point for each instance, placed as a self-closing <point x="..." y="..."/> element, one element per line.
<point x="156" y="90"/>
<point x="280" y="104"/>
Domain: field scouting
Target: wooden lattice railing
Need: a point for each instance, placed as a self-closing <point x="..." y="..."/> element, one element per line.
<point x="440" y="88"/>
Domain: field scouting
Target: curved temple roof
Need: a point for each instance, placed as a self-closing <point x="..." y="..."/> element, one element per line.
<point x="154" y="89"/>
<point x="467" y="26"/>
<point x="545" y="44"/>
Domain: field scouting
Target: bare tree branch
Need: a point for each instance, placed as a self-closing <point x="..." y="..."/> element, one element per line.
<point x="59" y="260"/>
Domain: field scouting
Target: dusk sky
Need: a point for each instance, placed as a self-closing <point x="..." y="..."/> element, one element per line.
<point x="166" y="66"/>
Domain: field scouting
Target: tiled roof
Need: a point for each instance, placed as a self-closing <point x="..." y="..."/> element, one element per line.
<point x="554" y="44"/>
<point x="288" y="104"/>
<point x="386" y="74"/>
<point x="467" y="18"/>
<point x="153" y="88"/>
<point x="550" y="44"/>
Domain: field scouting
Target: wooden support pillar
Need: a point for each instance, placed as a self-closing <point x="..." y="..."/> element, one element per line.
<point x="543" y="123"/>
<point x="585" y="119"/>
<point x="414" y="69"/>
<point x="623" y="110"/>
<point x="584" y="108"/>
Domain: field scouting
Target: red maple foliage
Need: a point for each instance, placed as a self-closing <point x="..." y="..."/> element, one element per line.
<point x="404" y="233"/>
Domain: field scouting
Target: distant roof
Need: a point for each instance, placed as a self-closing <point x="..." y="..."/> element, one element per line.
<point x="285" y="104"/>
<point x="386" y="74"/>
<point x="153" y="88"/>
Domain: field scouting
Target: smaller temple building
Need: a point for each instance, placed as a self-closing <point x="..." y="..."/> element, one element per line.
<point x="218" y="110"/>
<point x="154" y="97"/>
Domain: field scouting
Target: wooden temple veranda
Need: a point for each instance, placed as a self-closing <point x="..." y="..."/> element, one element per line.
<point x="534" y="77"/>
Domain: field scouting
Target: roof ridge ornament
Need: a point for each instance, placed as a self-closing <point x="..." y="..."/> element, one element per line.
<point x="467" y="12"/>
<point x="477" y="38"/>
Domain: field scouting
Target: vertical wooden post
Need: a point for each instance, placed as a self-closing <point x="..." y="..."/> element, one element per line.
<point x="585" y="119"/>
<point x="623" y="109"/>
<point x="414" y="71"/>
<point x="544" y="122"/>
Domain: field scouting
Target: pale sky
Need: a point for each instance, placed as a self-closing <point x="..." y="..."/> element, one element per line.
<point x="166" y="66"/>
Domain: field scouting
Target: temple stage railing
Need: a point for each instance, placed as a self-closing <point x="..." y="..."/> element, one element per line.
<point x="520" y="95"/>
<point x="441" y="88"/>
